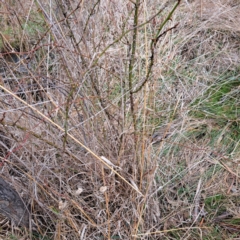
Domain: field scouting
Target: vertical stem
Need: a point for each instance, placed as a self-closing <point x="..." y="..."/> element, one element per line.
<point x="131" y="63"/>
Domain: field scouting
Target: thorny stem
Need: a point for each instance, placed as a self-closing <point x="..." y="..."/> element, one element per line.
<point x="154" y="43"/>
<point x="131" y="64"/>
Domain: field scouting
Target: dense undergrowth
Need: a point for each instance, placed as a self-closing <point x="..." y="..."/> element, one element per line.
<point x="120" y="119"/>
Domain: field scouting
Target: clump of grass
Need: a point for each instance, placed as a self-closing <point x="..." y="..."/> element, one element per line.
<point x="220" y="100"/>
<point x="219" y="105"/>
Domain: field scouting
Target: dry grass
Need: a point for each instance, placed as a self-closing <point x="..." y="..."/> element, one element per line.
<point x="107" y="137"/>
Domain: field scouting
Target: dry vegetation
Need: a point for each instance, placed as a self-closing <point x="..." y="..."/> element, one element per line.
<point x="112" y="131"/>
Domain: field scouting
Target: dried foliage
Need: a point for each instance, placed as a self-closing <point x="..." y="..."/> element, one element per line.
<point x="116" y="118"/>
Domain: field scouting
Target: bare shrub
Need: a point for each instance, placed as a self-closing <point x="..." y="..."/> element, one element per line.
<point x="105" y="128"/>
